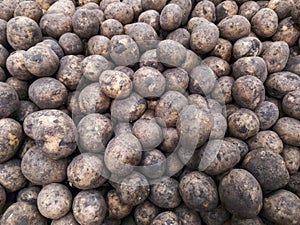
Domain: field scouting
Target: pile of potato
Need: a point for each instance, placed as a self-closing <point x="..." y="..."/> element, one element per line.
<point x="149" y="112"/>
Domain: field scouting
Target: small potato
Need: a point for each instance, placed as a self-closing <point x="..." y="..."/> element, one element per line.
<point x="133" y="189"/>
<point x="247" y="46"/>
<point x="7" y="11"/>
<point x="177" y="79"/>
<point x="170" y="139"/>
<point x="198" y="100"/>
<point x="111" y="27"/>
<point x="282" y="208"/>
<point x="171" y="17"/>
<point x="291" y="156"/>
<point x="186" y="216"/>
<point x="150" y="17"/>
<point x="243" y="124"/>
<point x="291" y="104"/>
<point x="264" y="23"/>
<point x="286" y="32"/>
<point x="180" y="35"/>
<point x="122" y="153"/>
<point x="54" y="201"/>
<point x="234" y="27"/>
<point x="218" y="156"/>
<point x="282" y="8"/>
<point x="153" y="164"/>
<point x="25" y="212"/>
<point x="41" y="61"/>
<point x="93" y="65"/>
<point x="149" y="82"/>
<point x="165" y="218"/>
<point x="222" y="49"/>
<point x="243" y="147"/>
<point x="65" y="220"/>
<point x="23" y="33"/>
<point x="222" y="91"/>
<point x="217" y="216"/>
<point x="55" y="24"/>
<point x="92" y="100"/>
<point x="15" y="64"/>
<point x="119" y="11"/>
<point x="71" y="43"/>
<point x="47" y="93"/>
<point x="54" y="45"/>
<point x="294" y="184"/>
<point x="156" y="5"/>
<point x="2" y="75"/>
<point x="276" y="56"/>
<point x="225" y="9"/>
<point x="219" y="127"/>
<point x="240" y="184"/>
<point x="288" y="130"/>
<point x="89" y="207"/>
<point x="218" y="65"/>
<point x="126" y="70"/>
<point x="29" y="194"/>
<point x="128" y="109"/>
<point x="9" y="100"/>
<point x="149" y="59"/>
<point x="99" y="45"/>
<point x="266" y="140"/>
<point x="186" y="6"/>
<point x="293" y="64"/>
<point x="171" y="53"/>
<point x="41" y="170"/>
<point x="87" y="171"/>
<point x="205" y="9"/>
<point x="85" y="23"/>
<point x="248" y="91"/>
<point x="164" y="193"/>
<point x="115" y="207"/>
<point x="248" y="9"/>
<point x="145" y="212"/>
<point x="136" y="6"/>
<point x="268" y="168"/>
<point x="61" y="6"/>
<point x="268" y="114"/>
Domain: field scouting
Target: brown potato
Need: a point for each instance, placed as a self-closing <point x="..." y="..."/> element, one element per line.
<point x="156" y="5"/>
<point x="170" y="139"/>
<point x="291" y="156"/>
<point x="171" y="17"/>
<point x="288" y="130"/>
<point x="61" y="6"/>
<point x="3" y="38"/>
<point x="3" y="55"/>
<point x="293" y="64"/>
<point x="266" y="140"/>
<point x="180" y="35"/>
<point x="93" y="65"/>
<point x="218" y="65"/>
<point x="65" y="220"/>
<point x="29" y="194"/>
<point x="247" y="46"/>
<point x="248" y="9"/>
<point x="217" y="216"/>
<point x="177" y="79"/>
<point x="164" y="218"/>
<point x="119" y="11"/>
<point x="286" y="32"/>
<point x="111" y="27"/>
<point x="205" y="9"/>
<point x="291" y="104"/>
<point x="222" y="91"/>
<point x="186" y="216"/>
<point x="54" y="45"/>
<point x="171" y="53"/>
<point x="149" y="59"/>
<point x="191" y="61"/>
<point x="153" y="164"/>
<point x="99" y="45"/>
<point x="115" y="207"/>
<point x="282" y="8"/>
<point x="222" y="49"/>
<point x="71" y="43"/>
<point x="150" y="17"/>
<point x="145" y="212"/>
<point x="264" y="22"/>
<point x="225" y="9"/>
<point x="2" y="197"/>
<point x="240" y="221"/>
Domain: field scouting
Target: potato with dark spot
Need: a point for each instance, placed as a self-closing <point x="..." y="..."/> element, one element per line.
<point x="41" y="61"/>
<point x="170" y="139"/>
<point x="133" y="189"/>
<point x="291" y="104"/>
<point x="243" y="124"/>
<point x="177" y="79"/>
<point x="282" y="208"/>
<point x="186" y="6"/>
<point x="171" y="17"/>
<point x="288" y="130"/>
<point x="282" y="8"/>
<point x="150" y="17"/>
<point x="149" y="82"/>
<point x="22" y="213"/>
<point x="85" y="23"/>
<point x="157" y="5"/>
<point x="20" y="86"/>
<point x="145" y="212"/>
<point x="87" y="171"/>
<point x="294" y="184"/>
<point x="65" y="220"/>
<point x="248" y="9"/>
<point x="55" y="24"/>
<point x="149" y="59"/>
<point x="186" y="216"/>
<point x="61" y="6"/>
<point x="291" y="156"/>
<point x="265" y="22"/>
<point x="266" y="140"/>
<point x="180" y="35"/>
<point x="286" y="32"/>
<point x="7" y="11"/>
<point x="243" y="147"/>
<point x="99" y="45"/>
<point x="222" y="49"/>
<point x="166" y="218"/>
<point x="92" y="100"/>
<point x="71" y="43"/>
<point x="115" y="207"/>
<point x="54" y="45"/>
<point x="29" y="194"/>
<point x="122" y="153"/>
<point x="205" y="9"/>
<point x="128" y="109"/>
<point x="247" y="46"/>
<point x="89" y="207"/>
<point x="206" y="198"/>
<point x="153" y="164"/>
<point x="216" y="216"/>
<point x="225" y="9"/>
<point x="248" y="91"/>
<point x="111" y="27"/>
<point x="93" y="65"/>
<point x="119" y="11"/>
<point x="218" y="65"/>
<point x="54" y="201"/>
<point x="198" y="100"/>
<point x="234" y="27"/>
<point x="41" y="170"/>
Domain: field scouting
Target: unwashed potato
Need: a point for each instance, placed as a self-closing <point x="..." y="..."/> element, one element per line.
<point x="150" y="17"/>
<point x="29" y="194"/>
<point x="248" y="9"/>
<point x="115" y="207"/>
<point x="145" y="212"/>
<point x="164" y="218"/>
<point x="153" y="164"/>
<point x="2" y="197"/>
<point x="286" y="32"/>
<point x="65" y="220"/>
<point x="149" y="59"/>
<point x="222" y="49"/>
<point x="9" y="100"/>
<point x="291" y="104"/>
<point x="218" y="65"/>
<point x="186" y="6"/>
<point x="205" y="9"/>
<point x="186" y="216"/>
<point x="111" y="27"/>
<point x="71" y="43"/>
<point x="180" y="35"/>
<point x="288" y="130"/>
<point x="247" y="46"/>
<point x="291" y="156"/>
<point x="119" y="11"/>
<point x="171" y="17"/>
<point x="225" y="9"/>
<point x="216" y="216"/>
<point x="156" y="5"/>
<point x="264" y="22"/>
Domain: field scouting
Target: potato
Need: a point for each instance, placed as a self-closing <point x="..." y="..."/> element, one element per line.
<point x="149" y="59"/>
<point x="222" y="49"/>
<point x="164" y="193"/>
<point x="286" y="32"/>
<point x="234" y="27"/>
<point x="149" y="82"/>
<point x="177" y="79"/>
<point x="125" y="69"/>
<point x="99" y="45"/>
<point x="122" y="153"/>
<point x="156" y="5"/>
<point x="89" y="207"/>
<point x="2" y="197"/>
<point x="187" y="216"/>
<point x="92" y="100"/>
<point x="248" y="91"/>
<point x="165" y="218"/>
<point x="288" y="130"/>
<point x="119" y="11"/>
<point x="54" y="201"/>
<point x="170" y="139"/>
<point x="268" y="168"/>
<point x="128" y="109"/>
<point x="282" y="207"/>
<point x="291" y="104"/>
<point x="218" y="156"/>
<point x="87" y="171"/>
<point x="111" y="27"/>
<point x="115" y="207"/>
<point x="65" y="220"/>
<point x="294" y="184"/>
<point x="293" y="64"/>
<point x="243" y="124"/>
<point x="171" y="17"/>
<point x="150" y="17"/>
<point x="23" y="212"/>
<point x="291" y="156"/>
<point x="264" y="22"/>
<point x="133" y="189"/>
<point x="71" y="43"/>
<point x="54" y="45"/>
<point x="200" y="101"/>
<point x="216" y="216"/>
<point x="9" y="100"/>
<point x="180" y="35"/>
<point x="278" y="104"/>
<point x="2" y="75"/>
<point x="55" y="24"/>
<point x="204" y="37"/>
<point x="206" y="198"/>
<point x="7" y="10"/>
<point x="225" y="9"/>
<point x="240" y="221"/>
<point x="85" y="23"/>
<point x="93" y="65"/>
<point x="3" y="38"/>
<point x="296" y="12"/>
<point x="282" y="8"/>
<point x="153" y="164"/>
<point x="61" y="6"/>
<point x="3" y="55"/>
<point x="222" y="90"/>
<point x="29" y="194"/>
<point x="248" y="9"/>
<point x="191" y="61"/>
<point x="247" y="46"/>
<point x="205" y="9"/>
<point x="145" y="212"/>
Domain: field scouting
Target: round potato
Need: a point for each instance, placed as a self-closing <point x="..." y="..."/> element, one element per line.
<point x="171" y="17"/>
<point x="264" y="22"/>
<point x="111" y="27"/>
<point x="145" y="212"/>
<point x="166" y="217"/>
<point x="288" y="130"/>
<point x="29" y="194"/>
<point x="119" y="11"/>
<point x="115" y="207"/>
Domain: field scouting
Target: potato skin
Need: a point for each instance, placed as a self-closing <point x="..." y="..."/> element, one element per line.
<point x="291" y="104"/>
<point x="65" y="220"/>
<point x="265" y="22"/>
<point x="282" y="208"/>
<point x="247" y="46"/>
<point x="267" y="113"/>
<point x="111" y="27"/>
<point x="9" y="100"/>
<point x="119" y="11"/>
<point x="289" y="130"/>
<point x="29" y="194"/>
<point x="216" y="216"/>
<point x="116" y="208"/>
<point x="171" y="17"/>
<point x="291" y="156"/>
<point x="145" y="212"/>
<point x="165" y="218"/>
